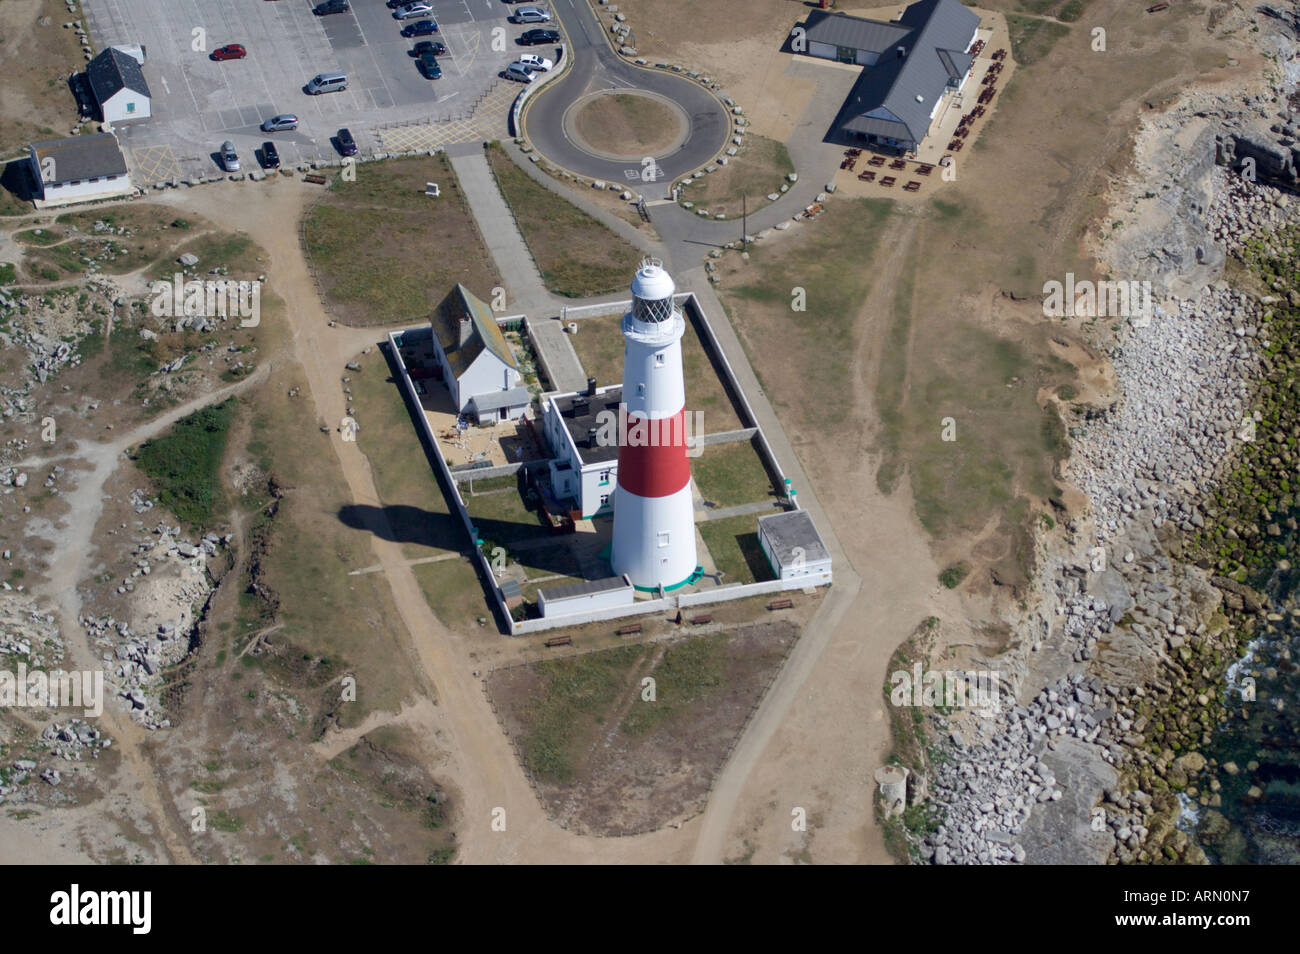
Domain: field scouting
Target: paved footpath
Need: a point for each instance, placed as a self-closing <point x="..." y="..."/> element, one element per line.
<point x="527" y="292"/>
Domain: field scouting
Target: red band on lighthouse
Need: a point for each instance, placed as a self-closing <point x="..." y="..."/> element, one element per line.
<point x="652" y="455"/>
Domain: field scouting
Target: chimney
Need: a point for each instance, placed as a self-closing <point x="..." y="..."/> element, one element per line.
<point x="591" y="387"/>
<point x="902" y="52"/>
<point x="465" y="328"/>
<point x="591" y="437"/>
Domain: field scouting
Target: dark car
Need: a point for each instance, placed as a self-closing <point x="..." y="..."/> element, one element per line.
<point x="436" y="47"/>
<point x="347" y="145"/>
<point x="534" y="37"/>
<point x="270" y="156"/>
<point x="420" y="28"/>
<point x="428" y="65"/>
<point x="331" y="6"/>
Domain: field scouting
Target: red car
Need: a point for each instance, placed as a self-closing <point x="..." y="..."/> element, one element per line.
<point x="231" y="51"/>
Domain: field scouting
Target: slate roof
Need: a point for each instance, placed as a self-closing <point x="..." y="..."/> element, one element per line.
<point x="495" y="400"/>
<point x="907" y="86"/>
<point x="840" y="29"/>
<point x="580" y="413"/>
<point x="485" y="333"/>
<point x="82" y="157"/>
<point x="585" y="588"/>
<point x="113" y="71"/>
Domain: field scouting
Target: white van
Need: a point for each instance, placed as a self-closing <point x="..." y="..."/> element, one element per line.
<point x="327" y="83"/>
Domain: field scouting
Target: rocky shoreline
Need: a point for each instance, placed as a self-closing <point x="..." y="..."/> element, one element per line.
<point x="1124" y="652"/>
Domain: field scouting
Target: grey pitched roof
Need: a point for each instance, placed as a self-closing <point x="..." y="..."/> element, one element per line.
<point x="495" y="400"/>
<point x="790" y="529"/>
<point x="841" y="29"/>
<point x="112" y="71"/>
<point x="81" y="157"/>
<point x="908" y="85"/>
<point x="585" y="588"/>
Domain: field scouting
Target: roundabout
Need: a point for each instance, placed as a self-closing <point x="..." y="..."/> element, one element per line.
<point x="606" y="117"/>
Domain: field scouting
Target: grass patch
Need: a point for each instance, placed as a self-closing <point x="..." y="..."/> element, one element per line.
<point x="384" y="253"/>
<point x="184" y="464"/>
<point x="1033" y="39"/>
<point x="576" y="255"/>
<point x="584" y="686"/>
<point x="688" y="672"/>
<point x="731" y="474"/>
<point x="733" y="544"/>
<point x="745" y="182"/>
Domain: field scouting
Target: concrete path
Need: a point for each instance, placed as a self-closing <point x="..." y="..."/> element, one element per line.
<point x="506" y="245"/>
<point x="739" y="510"/>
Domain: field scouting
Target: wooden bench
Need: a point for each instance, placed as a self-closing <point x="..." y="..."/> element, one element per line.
<point x="628" y="630"/>
<point x="888" y="181"/>
<point x="876" y="161"/>
<point x="558" y="641"/>
<point x="867" y="176"/>
<point x="780" y="604"/>
<point x="702" y="619"/>
<point x="315" y="178"/>
<point x="912" y="186"/>
<point x="924" y="170"/>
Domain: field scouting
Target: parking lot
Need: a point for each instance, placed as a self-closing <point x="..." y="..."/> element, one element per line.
<point x="199" y="103"/>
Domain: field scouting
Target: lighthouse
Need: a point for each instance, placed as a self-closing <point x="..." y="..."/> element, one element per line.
<point x="654" y="516"/>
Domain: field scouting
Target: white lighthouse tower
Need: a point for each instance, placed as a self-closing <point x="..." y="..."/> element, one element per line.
<point x="654" y="516"/>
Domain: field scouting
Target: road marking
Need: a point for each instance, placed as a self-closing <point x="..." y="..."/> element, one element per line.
<point x="167" y="89"/>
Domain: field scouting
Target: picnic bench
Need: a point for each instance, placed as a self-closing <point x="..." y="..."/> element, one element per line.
<point x="701" y="619"/>
<point x="784" y="603"/>
<point x="867" y="175"/>
<point x="912" y="186"/>
<point x="898" y="164"/>
<point x="876" y="161"/>
<point x="631" y="630"/>
<point x="888" y="181"/>
<point x="315" y="178"/>
<point x="558" y="641"/>
<point x="924" y="170"/>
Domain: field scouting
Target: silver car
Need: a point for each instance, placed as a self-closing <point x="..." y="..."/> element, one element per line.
<point x="229" y="158"/>
<point x="418" y="9"/>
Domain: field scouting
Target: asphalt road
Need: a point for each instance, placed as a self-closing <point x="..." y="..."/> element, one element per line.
<point x="595" y="67"/>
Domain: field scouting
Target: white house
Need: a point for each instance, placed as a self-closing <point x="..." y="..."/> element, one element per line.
<point x="583" y="469"/>
<point x="116" y="80"/>
<point x="475" y="359"/>
<point x="78" y="169"/>
<point x="586" y="597"/>
<point x="794" y="548"/>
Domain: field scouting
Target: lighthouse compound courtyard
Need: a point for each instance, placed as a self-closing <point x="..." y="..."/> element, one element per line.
<point x="604" y="464"/>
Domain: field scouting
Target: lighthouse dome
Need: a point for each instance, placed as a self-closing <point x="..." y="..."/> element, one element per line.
<point x="652" y="292"/>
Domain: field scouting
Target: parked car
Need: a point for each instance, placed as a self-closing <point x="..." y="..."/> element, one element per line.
<point x="531" y="15"/>
<point x="535" y="62"/>
<point x="280" y="123"/>
<point x="231" y="51"/>
<point x="428" y="66"/>
<point x="347" y="145"/>
<point x="534" y="37"/>
<point x="326" y="83"/>
<point x="270" y="156"/>
<point x="518" y="72"/>
<point x="229" y="158"/>
<point x="418" y="9"/>
<point x="331" y="6"/>
<point x="436" y="47"/>
<point x="394" y="4"/>
<point x="420" y="28"/>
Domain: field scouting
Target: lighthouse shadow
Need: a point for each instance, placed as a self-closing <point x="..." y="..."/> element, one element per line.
<point x="526" y="543"/>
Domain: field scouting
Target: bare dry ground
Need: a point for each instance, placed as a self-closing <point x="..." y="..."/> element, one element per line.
<point x="621" y="123"/>
<point x="613" y="754"/>
<point x="36" y="56"/>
